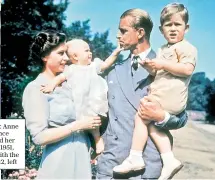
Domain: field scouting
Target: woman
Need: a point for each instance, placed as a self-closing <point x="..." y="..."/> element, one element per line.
<point x="66" y="152"/>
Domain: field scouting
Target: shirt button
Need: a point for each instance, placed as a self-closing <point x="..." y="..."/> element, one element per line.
<point x="113" y="97"/>
<point x="116" y="138"/>
<point x="116" y="118"/>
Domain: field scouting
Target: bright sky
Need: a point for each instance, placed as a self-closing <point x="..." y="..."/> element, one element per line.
<point x="104" y="15"/>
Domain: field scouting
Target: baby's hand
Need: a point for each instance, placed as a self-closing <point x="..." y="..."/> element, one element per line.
<point x="119" y="48"/>
<point x="47" y="88"/>
<point x="100" y="146"/>
<point x="155" y="63"/>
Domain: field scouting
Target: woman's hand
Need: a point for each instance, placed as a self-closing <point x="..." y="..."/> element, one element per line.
<point x="86" y="122"/>
<point x="150" y="109"/>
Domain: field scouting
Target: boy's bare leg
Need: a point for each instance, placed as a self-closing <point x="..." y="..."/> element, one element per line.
<point x="170" y="164"/>
<point x="135" y="160"/>
<point x="160" y="138"/>
<point x="140" y="134"/>
<point x="98" y="140"/>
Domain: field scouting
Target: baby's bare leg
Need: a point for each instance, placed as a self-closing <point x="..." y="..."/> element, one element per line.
<point x="98" y="140"/>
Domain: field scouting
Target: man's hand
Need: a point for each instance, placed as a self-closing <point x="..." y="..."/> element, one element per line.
<point x="150" y="109"/>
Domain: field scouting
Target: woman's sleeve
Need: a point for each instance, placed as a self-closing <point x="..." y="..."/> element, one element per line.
<point x="36" y="112"/>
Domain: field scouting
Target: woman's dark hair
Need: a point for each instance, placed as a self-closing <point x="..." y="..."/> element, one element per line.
<point x="44" y="43"/>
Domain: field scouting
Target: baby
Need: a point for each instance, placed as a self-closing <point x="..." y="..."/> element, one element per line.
<point x="89" y="90"/>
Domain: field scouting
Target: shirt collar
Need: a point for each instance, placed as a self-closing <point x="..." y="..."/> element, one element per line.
<point x="142" y="55"/>
<point x="176" y="44"/>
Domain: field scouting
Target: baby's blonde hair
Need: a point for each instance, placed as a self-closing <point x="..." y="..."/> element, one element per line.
<point x="72" y="46"/>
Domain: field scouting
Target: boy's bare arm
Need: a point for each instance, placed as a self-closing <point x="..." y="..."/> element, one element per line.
<point x="53" y="84"/>
<point x="175" y="68"/>
<point x="111" y="59"/>
<point x="145" y="65"/>
<point x="179" y="69"/>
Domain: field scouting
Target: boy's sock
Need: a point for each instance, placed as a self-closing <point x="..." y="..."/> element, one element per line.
<point x="167" y="157"/>
<point x="171" y="166"/>
<point x="136" y="156"/>
<point x="133" y="162"/>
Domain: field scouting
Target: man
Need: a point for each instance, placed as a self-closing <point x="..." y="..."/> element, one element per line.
<point x="127" y="82"/>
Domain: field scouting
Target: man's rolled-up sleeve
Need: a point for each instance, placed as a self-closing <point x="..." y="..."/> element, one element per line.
<point x="174" y="122"/>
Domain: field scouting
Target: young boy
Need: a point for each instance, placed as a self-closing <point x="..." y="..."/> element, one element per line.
<point x="172" y="68"/>
<point x="89" y="90"/>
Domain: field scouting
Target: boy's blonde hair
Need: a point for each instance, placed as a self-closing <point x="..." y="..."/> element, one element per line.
<point x="141" y="19"/>
<point x="172" y="9"/>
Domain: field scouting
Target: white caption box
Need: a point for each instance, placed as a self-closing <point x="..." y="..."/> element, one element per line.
<point x="12" y="143"/>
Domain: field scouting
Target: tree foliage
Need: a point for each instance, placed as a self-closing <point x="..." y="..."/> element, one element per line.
<point x="21" y="20"/>
<point x="100" y="45"/>
<point x="210" y="109"/>
<point x="198" y="95"/>
<point x="201" y="95"/>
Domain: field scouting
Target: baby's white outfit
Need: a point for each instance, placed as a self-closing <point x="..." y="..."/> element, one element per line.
<point x="89" y="89"/>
